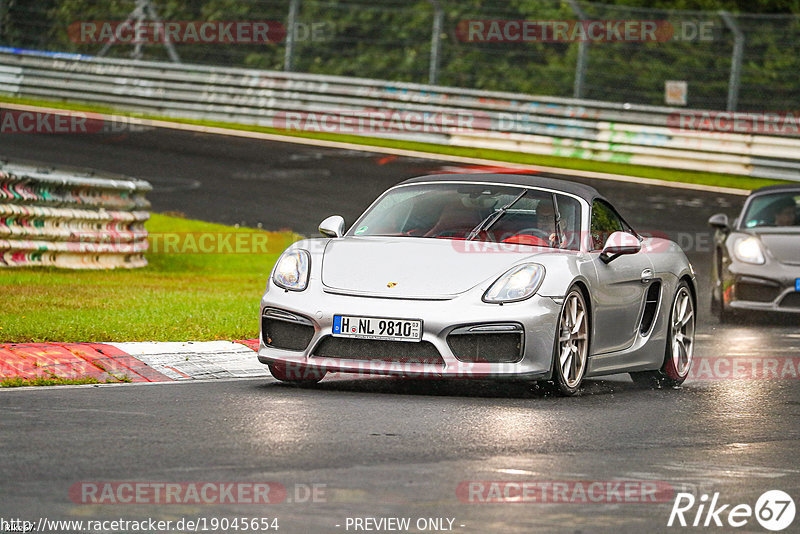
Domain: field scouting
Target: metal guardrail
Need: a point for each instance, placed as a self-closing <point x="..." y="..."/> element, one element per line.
<point x="71" y="219"/>
<point x="734" y="61"/>
<point x="594" y="130"/>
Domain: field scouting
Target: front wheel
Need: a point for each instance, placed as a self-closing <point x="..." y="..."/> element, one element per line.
<point x="680" y="344"/>
<point x="572" y="345"/>
<point x="296" y="374"/>
<point x="718" y="309"/>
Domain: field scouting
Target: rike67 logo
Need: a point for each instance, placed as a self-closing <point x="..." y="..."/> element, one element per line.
<point x="774" y="510"/>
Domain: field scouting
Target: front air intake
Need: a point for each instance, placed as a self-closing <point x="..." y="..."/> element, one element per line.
<point x="421" y="352"/>
<point x="284" y="330"/>
<point x="489" y="343"/>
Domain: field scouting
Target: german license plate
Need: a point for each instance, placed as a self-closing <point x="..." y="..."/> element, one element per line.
<point x="797" y="284"/>
<point x="384" y="328"/>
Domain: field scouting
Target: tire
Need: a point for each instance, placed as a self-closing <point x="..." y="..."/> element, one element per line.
<point x="299" y="375"/>
<point x="571" y="351"/>
<point x="718" y="309"/>
<point x="724" y="316"/>
<point x="680" y="343"/>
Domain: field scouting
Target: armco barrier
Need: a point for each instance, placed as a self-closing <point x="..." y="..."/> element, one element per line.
<point x="71" y="219"/>
<point x="601" y="131"/>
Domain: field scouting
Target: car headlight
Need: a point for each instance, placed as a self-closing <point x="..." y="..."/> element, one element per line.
<point x="518" y="283"/>
<point x="749" y="250"/>
<point x="291" y="272"/>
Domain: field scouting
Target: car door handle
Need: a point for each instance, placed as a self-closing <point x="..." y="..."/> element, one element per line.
<point x="647" y="275"/>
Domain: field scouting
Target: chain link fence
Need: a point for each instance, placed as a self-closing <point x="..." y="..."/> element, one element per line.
<point x="568" y="48"/>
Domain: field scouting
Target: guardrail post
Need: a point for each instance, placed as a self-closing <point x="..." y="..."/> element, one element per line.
<point x="171" y="52"/>
<point x="736" y="59"/>
<point x="137" y="16"/>
<point x="288" y="58"/>
<point x="583" y="54"/>
<point x="436" y="42"/>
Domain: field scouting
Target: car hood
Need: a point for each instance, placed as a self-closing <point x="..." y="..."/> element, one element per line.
<point x="407" y="267"/>
<point x="782" y="243"/>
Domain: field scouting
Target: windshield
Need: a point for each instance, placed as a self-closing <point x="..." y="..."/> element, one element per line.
<point x="777" y="209"/>
<point x="483" y="212"/>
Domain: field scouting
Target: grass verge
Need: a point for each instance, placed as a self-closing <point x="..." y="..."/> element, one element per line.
<point x="671" y="175"/>
<point x="19" y="382"/>
<point x="181" y="295"/>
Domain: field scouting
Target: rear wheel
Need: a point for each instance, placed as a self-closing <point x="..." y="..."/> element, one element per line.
<point x="680" y="344"/>
<point x="296" y="374"/>
<point x="572" y="345"/>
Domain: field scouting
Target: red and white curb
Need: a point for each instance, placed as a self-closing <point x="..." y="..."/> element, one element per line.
<point x="132" y="361"/>
<point x="202" y="360"/>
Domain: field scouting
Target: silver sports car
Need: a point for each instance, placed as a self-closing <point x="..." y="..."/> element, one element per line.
<point x="482" y="275"/>
<point x="757" y="257"/>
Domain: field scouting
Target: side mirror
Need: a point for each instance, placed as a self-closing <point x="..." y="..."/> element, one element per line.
<point x="333" y="226"/>
<point x="620" y="243"/>
<point x="720" y="222"/>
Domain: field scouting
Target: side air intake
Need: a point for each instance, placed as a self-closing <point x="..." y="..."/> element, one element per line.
<point x="650" y="307"/>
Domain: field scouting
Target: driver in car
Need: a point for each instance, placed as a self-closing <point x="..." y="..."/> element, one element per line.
<point x="780" y="212"/>
<point x="785" y="212"/>
<point x="546" y="220"/>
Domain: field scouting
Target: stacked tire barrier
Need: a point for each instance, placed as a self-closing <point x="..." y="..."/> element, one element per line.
<point x="73" y="220"/>
<point x="755" y="144"/>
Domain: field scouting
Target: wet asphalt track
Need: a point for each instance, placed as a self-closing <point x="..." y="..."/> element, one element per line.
<point x="383" y="446"/>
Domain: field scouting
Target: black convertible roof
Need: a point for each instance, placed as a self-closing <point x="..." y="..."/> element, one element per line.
<point x="776" y="189"/>
<point x="544" y="180"/>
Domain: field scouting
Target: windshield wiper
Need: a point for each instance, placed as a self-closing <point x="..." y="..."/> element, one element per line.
<point x="493" y="217"/>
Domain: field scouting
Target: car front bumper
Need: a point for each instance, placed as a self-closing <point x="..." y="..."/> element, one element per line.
<point x="535" y="318"/>
<point x="770" y="288"/>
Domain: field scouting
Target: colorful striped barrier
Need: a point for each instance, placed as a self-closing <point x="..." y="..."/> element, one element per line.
<point x="131" y="362"/>
<point x="73" y="220"/>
